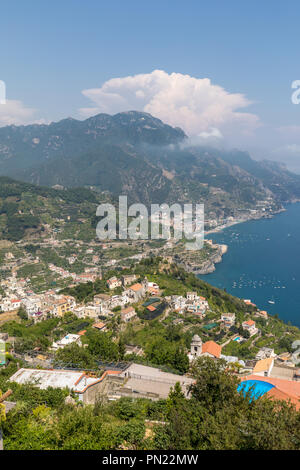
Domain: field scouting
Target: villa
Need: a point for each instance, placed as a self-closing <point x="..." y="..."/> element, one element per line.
<point x="127" y="314"/>
<point x="249" y="325"/>
<point x="113" y="283"/>
<point x="66" y="341"/>
<point x="228" y="319"/>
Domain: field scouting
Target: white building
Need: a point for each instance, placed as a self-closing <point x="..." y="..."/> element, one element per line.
<point x="68" y="339"/>
<point x="86" y="388"/>
<point x="249" y="325"/>
<point x="127" y="314"/>
<point x="228" y="319"/>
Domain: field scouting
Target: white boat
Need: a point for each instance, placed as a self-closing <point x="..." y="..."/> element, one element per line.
<point x="271" y="301"/>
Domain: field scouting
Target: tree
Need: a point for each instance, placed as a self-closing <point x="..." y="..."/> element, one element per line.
<point x="22" y="313"/>
<point x="181" y="360"/>
<point x="215" y="385"/>
<point x="100" y="345"/>
<point x="76" y="355"/>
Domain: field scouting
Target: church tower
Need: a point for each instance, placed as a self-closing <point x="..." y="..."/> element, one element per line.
<point x="196" y="346"/>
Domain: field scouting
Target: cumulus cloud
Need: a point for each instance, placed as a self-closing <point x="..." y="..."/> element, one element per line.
<point x="194" y="104"/>
<point x="15" y="112"/>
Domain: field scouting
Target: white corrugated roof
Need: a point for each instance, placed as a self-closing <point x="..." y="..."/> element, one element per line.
<point x="53" y="378"/>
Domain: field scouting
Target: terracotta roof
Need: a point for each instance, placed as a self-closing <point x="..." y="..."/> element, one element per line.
<point x="99" y="325"/>
<point x="82" y="332"/>
<point x="283" y="389"/>
<point x="127" y="310"/>
<point x="151" y="308"/>
<point x="249" y="322"/>
<point x="262" y="365"/>
<point x="277" y="394"/>
<point x="136" y="287"/>
<point x="212" y="348"/>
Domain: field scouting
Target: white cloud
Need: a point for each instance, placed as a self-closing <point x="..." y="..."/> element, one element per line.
<point x="194" y="104"/>
<point x="15" y="112"/>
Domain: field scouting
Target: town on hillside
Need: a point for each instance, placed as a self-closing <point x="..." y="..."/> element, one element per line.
<point x="137" y="332"/>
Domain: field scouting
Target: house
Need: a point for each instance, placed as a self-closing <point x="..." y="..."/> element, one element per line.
<point x="264" y="367"/>
<point x="66" y="341"/>
<point x="100" y="326"/>
<point x="264" y="353"/>
<point x="228" y="319"/>
<point x="263" y="314"/>
<point x="128" y="279"/>
<point x="131" y="349"/>
<point x="63" y="305"/>
<point x="127" y="314"/>
<point x="103" y="300"/>
<point x="178" y="303"/>
<point x="10" y="305"/>
<point x="153" y="288"/>
<point x="137" y="291"/>
<point x="88" y="389"/>
<point x="113" y="282"/>
<point x="37" y="316"/>
<point x="85" y="277"/>
<point x="191" y="295"/>
<point x="211" y="349"/>
<point x="249" y="325"/>
<point x="92" y="311"/>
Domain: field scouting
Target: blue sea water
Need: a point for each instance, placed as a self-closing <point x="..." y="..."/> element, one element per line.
<point x="263" y="263"/>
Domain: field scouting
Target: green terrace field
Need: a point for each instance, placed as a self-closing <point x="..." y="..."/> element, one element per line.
<point x="28" y="210"/>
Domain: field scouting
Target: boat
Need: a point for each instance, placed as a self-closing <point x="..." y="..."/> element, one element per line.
<point x="271" y="301"/>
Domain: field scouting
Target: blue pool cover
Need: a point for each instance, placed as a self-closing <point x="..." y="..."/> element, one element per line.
<point x="260" y="387"/>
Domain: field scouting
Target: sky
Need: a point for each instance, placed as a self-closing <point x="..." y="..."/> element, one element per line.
<point x="223" y="71"/>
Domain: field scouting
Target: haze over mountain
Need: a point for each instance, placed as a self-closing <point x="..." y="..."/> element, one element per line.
<point x="136" y="154"/>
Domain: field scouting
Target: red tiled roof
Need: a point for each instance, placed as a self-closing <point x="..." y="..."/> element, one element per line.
<point x="151" y="308"/>
<point x="212" y="348"/>
<point x="136" y="287"/>
<point x="99" y="325"/>
<point x="283" y="389"/>
<point x="127" y="310"/>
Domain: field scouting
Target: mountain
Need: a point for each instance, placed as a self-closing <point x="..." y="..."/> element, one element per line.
<point x="136" y="154"/>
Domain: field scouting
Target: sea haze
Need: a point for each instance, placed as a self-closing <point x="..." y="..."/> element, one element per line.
<point x="263" y="263"/>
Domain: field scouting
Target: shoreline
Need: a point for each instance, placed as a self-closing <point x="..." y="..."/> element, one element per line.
<point x="210" y="267"/>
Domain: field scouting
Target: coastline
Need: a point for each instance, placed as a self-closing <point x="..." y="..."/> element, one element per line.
<point x="209" y="266"/>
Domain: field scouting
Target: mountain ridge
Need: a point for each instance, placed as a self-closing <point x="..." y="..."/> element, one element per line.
<point x="139" y="155"/>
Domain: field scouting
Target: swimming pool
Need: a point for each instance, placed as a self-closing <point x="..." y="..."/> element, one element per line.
<point x="237" y="339"/>
<point x="260" y="387"/>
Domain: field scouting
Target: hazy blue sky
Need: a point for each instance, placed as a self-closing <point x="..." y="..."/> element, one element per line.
<point x="53" y="51"/>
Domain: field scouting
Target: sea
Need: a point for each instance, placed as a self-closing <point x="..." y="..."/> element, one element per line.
<point x="263" y="263"/>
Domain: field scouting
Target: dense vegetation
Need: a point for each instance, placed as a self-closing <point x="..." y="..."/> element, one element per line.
<point x="215" y="416"/>
<point x="26" y="208"/>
